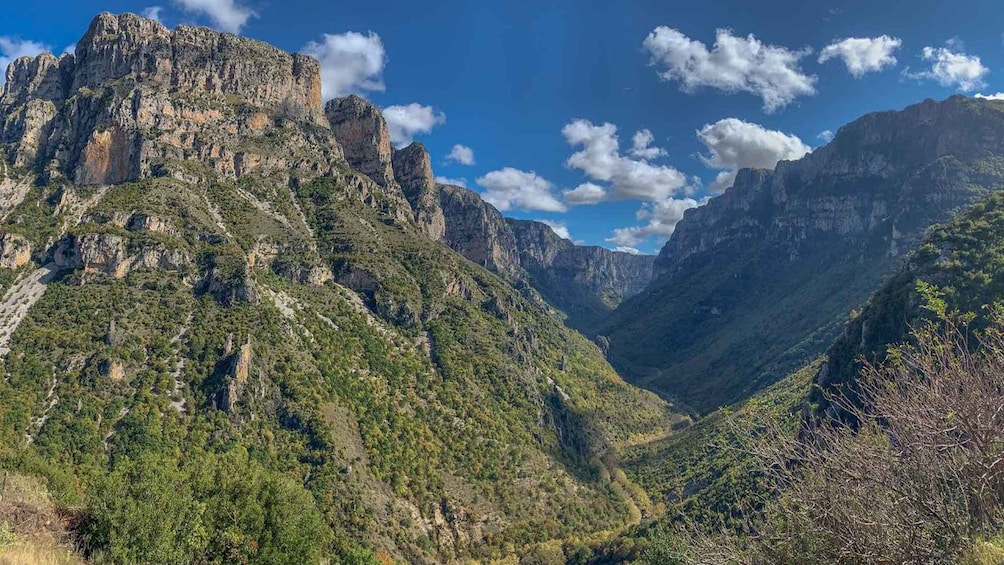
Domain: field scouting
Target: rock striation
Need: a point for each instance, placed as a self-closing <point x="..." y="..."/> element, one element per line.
<point x="137" y="98"/>
<point x="764" y="274"/>
<point x="413" y="172"/>
<point x="586" y="282"/>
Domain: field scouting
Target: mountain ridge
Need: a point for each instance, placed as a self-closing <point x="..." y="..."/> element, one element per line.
<point x="766" y="273"/>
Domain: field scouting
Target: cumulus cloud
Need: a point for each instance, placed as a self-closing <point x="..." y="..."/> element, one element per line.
<point x="733" y="64"/>
<point x="825" y="136"/>
<point x="735" y="144"/>
<point x="641" y="146"/>
<point x="585" y="193"/>
<point x="626" y="249"/>
<point x="153" y="13"/>
<point x="351" y="63"/>
<point x="661" y="219"/>
<point x="455" y="182"/>
<point x="405" y="122"/>
<point x="952" y="67"/>
<point x="226" y="15"/>
<point x="510" y="188"/>
<point x="559" y="228"/>
<point x="461" y="154"/>
<point x="863" y="54"/>
<point x="996" y="96"/>
<point x="12" y="48"/>
<point x="629" y="178"/>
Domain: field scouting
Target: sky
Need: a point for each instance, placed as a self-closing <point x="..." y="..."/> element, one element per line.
<point x="604" y="119"/>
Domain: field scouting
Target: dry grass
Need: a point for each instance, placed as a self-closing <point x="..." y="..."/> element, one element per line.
<point x="39" y="551"/>
<point x="29" y="516"/>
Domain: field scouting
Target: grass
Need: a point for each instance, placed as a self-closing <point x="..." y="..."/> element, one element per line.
<point x="38" y="551"/>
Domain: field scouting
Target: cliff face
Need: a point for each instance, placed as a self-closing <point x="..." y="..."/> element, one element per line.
<point x="413" y="171"/>
<point x="760" y="278"/>
<point x="476" y="230"/>
<point x="585" y="282"/>
<point x="137" y="99"/>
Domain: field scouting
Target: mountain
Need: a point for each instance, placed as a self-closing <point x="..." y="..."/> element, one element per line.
<point x="239" y="326"/>
<point x="586" y="283"/>
<point x="760" y="279"/>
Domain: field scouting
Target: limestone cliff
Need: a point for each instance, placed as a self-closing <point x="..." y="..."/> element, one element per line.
<point x="761" y="277"/>
<point x="137" y="99"/>
<point x="413" y="171"/>
<point x="586" y="282"/>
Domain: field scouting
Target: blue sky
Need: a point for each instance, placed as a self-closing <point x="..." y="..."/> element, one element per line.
<point x="538" y="90"/>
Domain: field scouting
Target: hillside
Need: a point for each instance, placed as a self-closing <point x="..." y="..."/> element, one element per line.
<point x="234" y="328"/>
<point x="759" y="280"/>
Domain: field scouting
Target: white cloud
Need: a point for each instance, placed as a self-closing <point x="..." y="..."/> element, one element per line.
<point x="662" y="219"/>
<point x="461" y="154"/>
<point x="455" y="182"/>
<point x="641" y="146"/>
<point x="153" y="13"/>
<point x="601" y="160"/>
<point x="734" y="64"/>
<point x="863" y="54"/>
<point x="12" y="48"/>
<point x="951" y="67"/>
<point x="405" y="122"/>
<point x="826" y="136"/>
<point x="735" y="144"/>
<point x="351" y="63"/>
<point x="559" y="228"/>
<point x="626" y="249"/>
<point x="585" y="193"/>
<point x="510" y="188"/>
<point x="996" y="96"/>
<point x="226" y="15"/>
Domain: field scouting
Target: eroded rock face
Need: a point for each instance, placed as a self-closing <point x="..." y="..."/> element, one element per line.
<point x="765" y="274"/>
<point x="15" y="251"/>
<point x="884" y="178"/>
<point x="578" y="278"/>
<point x="362" y="132"/>
<point x="137" y="99"/>
<point x="476" y="230"/>
<point x="109" y="254"/>
<point x="413" y="171"/>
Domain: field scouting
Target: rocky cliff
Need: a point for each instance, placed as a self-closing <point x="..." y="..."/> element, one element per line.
<point x="138" y="99"/>
<point x="586" y="282"/>
<point x="756" y="280"/>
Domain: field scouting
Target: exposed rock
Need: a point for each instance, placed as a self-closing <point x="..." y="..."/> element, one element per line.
<point x="138" y="98"/>
<point x="476" y="230"/>
<point x="112" y="369"/>
<point x="413" y="171"/>
<point x="237" y="378"/>
<point x="362" y="132"/>
<point x="15" y="251"/>
<point x="783" y="256"/>
<point x="586" y="282"/>
<point x="108" y="253"/>
<point x="93" y="252"/>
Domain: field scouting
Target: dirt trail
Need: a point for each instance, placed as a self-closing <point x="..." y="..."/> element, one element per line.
<point x="19" y="299"/>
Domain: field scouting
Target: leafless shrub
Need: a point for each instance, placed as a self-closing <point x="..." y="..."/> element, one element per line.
<point x="917" y="480"/>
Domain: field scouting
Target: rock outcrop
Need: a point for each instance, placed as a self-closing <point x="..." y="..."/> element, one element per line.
<point x="476" y="230"/>
<point x="110" y="254"/>
<point x="15" y="251"/>
<point x="362" y="132"/>
<point x="764" y="274"/>
<point x="139" y="99"/>
<point x="586" y="282"/>
<point x="413" y="172"/>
